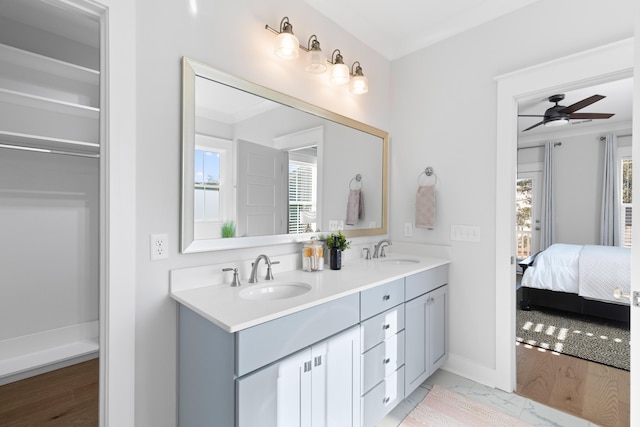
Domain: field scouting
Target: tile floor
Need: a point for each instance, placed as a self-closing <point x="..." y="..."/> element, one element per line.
<point x="517" y="406"/>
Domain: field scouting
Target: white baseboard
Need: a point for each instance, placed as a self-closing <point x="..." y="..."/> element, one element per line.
<point x="34" y="354"/>
<point x="464" y="367"/>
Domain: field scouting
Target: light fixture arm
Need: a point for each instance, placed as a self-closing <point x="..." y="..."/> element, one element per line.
<point x="313" y="43"/>
<point x="285" y="26"/>
<point x="338" y="57"/>
<point x="358" y="70"/>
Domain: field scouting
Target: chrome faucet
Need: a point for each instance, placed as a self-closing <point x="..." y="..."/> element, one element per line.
<point x="253" y="278"/>
<point x="378" y="250"/>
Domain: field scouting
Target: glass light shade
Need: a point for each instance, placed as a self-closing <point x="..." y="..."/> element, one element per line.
<point x="316" y="62"/>
<point x="359" y="85"/>
<point x="557" y="122"/>
<point x="339" y="74"/>
<point x="287" y="46"/>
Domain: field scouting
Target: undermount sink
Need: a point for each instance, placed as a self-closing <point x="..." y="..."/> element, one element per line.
<point x="399" y="261"/>
<point x="274" y="291"/>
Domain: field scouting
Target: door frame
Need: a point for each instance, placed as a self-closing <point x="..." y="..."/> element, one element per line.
<point x="607" y="63"/>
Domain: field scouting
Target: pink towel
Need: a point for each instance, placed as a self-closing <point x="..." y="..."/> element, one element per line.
<point x="355" y="207"/>
<point x="426" y="207"/>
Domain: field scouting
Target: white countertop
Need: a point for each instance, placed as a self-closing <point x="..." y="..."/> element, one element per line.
<point x="223" y="305"/>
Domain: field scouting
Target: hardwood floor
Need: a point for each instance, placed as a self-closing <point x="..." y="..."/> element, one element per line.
<point x="589" y="390"/>
<point x="65" y="397"/>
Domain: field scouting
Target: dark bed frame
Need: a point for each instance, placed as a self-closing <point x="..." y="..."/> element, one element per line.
<point x="573" y="303"/>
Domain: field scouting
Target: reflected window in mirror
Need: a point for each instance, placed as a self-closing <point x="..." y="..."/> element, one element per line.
<point x="303" y="183"/>
<point x="213" y="192"/>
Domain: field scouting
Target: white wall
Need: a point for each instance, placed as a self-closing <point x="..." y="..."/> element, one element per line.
<point x="444" y="115"/>
<point x="229" y="36"/>
<point x="49" y="253"/>
<point x="578" y="184"/>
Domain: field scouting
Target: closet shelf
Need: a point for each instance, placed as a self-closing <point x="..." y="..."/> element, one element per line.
<point x="39" y="142"/>
<point x="34" y="61"/>
<point x="42" y="103"/>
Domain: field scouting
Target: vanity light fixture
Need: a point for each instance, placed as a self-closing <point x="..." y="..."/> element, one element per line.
<point x="286" y="44"/>
<point x="316" y="59"/>
<point x="359" y="83"/>
<point x="339" y="73"/>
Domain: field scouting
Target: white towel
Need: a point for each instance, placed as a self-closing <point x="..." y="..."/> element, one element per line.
<point x="355" y="207"/>
<point x="426" y="206"/>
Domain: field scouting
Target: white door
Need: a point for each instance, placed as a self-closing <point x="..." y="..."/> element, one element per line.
<point x="262" y="190"/>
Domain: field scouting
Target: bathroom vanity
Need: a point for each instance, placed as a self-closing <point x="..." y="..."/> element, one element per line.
<point x="345" y="349"/>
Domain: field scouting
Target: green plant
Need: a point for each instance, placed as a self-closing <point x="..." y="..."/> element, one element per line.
<point x="343" y="243"/>
<point x="228" y="229"/>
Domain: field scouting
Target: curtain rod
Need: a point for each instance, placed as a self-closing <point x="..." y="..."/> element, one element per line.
<point x="602" y="138"/>
<point x="49" y="151"/>
<point x="555" y="144"/>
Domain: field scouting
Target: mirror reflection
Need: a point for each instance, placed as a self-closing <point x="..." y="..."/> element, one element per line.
<point x="262" y="168"/>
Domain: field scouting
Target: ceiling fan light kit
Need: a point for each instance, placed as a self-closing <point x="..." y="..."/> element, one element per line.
<point x="559" y="115"/>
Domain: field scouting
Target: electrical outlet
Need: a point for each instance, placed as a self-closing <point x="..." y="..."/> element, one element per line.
<point x="159" y="246"/>
<point x="408" y="229"/>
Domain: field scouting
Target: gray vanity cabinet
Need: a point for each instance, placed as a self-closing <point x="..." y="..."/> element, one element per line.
<point x="426" y="325"/>
<point x="316" y="387"/>
<point x="302" y="369"/>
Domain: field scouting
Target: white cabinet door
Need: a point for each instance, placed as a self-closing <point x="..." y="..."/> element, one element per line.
<point x="426" y="334"/>
<point x="278" y="395"/>
<point x="316" y="387"/>
<point x="342" y="370"/>
<point x="438" y="328"/>
<point x="416" y="366"/>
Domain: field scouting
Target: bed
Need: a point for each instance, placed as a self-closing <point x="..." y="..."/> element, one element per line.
<point x="579" y="279"/>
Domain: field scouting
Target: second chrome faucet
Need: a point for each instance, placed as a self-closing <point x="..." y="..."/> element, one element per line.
<point x="253" y="278"/>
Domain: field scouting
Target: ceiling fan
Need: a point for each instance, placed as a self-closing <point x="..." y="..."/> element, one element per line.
<point x="560" y="115"/>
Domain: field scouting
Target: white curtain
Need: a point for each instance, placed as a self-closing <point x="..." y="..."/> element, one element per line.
<point x="610" y="215"/>
<point x="547" y="213"/>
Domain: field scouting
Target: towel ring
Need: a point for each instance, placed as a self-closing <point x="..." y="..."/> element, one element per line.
<point x="428" y="172"/>
<point x="357" y="178"/>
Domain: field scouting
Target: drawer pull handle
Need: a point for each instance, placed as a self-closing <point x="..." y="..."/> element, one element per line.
<point x="386" y="326"/>
<point x="386" y="400"/>
<point x="386" y="361"/>
<point x="386" y="297"/>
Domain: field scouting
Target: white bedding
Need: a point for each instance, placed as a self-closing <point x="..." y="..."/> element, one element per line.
<point x="587" y="270"/>
<point x="602" y="269"/>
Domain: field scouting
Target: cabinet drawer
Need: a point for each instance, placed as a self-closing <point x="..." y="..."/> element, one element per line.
<point x="426" y="281"/>
<point x="382" y="398"/>
<point x="381" y="298"/>
<point x="265" y="343"/>
<point x="382" y="360"/>
<point x="382" y="326"/>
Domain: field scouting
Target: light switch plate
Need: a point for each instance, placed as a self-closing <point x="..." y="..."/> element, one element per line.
<point x="408" y="229"/>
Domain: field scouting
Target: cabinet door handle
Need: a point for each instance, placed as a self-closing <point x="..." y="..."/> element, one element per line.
<point x="386" y="297"/>
<point x="386" y="361"/>
<point x="317" y="361"/>
<point x="386" y="400"/>
<point x="386" y="326"/>
<point x="307" y="366"/>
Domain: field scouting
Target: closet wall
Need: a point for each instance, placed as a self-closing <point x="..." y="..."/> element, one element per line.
<point x="49" y="187"/>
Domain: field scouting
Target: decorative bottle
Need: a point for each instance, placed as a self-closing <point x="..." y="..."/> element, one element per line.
<point x="335" y="258"/>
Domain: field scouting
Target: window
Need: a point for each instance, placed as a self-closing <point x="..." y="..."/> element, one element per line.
<point x="302" y="191"/>
<point x="207" y="185"/>
<point x="524" y="201"/>
<point x="626" y="193"/>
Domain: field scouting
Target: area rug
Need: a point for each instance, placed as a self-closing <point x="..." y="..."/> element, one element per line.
<point x="588" y="338"/>
<point x="443" y="408"/>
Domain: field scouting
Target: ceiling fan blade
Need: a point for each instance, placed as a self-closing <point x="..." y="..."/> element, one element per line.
<point x="590" y="115"/>
<point x="534" y="126"/>
<point x="581" y="104"/>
